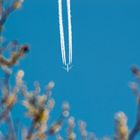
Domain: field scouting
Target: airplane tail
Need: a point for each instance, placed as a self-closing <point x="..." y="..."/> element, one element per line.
<point x="67" y="67"/>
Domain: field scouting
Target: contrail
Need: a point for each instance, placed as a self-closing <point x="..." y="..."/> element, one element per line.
<point x="62" y="38"/>
<point x="69" y="31"/>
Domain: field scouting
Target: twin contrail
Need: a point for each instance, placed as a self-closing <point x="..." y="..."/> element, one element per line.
<point x="62" y="38"/>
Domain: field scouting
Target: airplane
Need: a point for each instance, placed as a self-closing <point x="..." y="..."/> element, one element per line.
<point x="67" y="67"/>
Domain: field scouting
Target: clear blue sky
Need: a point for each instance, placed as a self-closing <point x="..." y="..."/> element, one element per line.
<point x="106" y="42"/>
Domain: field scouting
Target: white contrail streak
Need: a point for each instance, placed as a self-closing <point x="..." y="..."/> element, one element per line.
<point x="69" y="31"/>
<point x="62" y="38"/>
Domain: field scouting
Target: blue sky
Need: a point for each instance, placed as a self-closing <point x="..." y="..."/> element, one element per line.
<point x="106" y="42"/>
